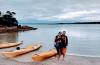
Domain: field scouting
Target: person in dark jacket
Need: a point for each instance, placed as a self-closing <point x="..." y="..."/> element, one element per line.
<point x="58" y="44"/>
<point x="64" y="43"/>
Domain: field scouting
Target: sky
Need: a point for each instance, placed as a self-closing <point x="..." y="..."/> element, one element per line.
<point x="53" y="10"/>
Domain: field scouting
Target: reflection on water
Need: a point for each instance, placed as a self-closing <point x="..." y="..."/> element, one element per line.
<point x="83" y="39"/>
<point x="9" y="37"/>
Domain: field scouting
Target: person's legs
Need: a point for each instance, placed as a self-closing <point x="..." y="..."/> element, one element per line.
<point x="61" y="51"/>
<point x="58" y="53"/>
<point x="64" y="52"/>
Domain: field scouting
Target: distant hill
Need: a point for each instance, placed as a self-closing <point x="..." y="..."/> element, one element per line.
<point x="35" y="21"/>
<point x="82" y="23"/>
<point x="87" y="22"/>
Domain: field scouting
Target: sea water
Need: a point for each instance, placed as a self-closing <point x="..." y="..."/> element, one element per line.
<point x="84" y="39"/>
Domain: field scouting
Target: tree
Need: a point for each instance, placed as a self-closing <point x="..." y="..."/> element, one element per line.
<point x="1" y="19"/>
<point x="0" y="13"/>
<point x="8" y="19"/>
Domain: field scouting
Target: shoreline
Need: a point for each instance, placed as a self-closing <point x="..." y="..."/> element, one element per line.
<point x="70" y="60"/>
<point x="83" y="55"/>
<point x="19" y="28"/>
<point x="26" y="59"/>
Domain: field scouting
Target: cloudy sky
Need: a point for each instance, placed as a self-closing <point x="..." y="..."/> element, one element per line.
<point x="53" y="10"/>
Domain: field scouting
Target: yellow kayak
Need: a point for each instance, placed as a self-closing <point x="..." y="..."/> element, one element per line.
<point x="15" y="53"/>
<point x="7" y="45"/>
<point x="44" y="55"/>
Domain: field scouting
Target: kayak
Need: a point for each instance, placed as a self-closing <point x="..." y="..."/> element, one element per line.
<point x="22" y="51"/>
<point x="44" y="55"/>
<point x="7" y="45"/>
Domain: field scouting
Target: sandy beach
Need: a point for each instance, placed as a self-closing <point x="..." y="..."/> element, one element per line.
<point x="70" y="60"/>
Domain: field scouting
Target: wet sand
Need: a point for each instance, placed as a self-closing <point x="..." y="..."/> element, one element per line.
<point x="26" y="59"/>
<point x="70" y="60"/>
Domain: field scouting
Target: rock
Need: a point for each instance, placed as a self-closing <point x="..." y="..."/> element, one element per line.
<point x="15" y="29"/>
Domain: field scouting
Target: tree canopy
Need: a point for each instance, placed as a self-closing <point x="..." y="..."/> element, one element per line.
<point x="8" y="19"/>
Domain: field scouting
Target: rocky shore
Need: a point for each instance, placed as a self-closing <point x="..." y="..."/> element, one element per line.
<point x="4" y="29"/>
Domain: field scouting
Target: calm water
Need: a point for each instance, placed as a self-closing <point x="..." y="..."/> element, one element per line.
<point x="84" y="39"/>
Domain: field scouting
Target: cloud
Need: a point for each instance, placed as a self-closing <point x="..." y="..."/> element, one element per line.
<point x="71" y="15"/>
<point x="85" y="15"/>
<point x="53" y="9"/>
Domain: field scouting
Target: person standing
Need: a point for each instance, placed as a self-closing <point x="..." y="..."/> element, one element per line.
<point x="58" y="44"/>
<point x="64" y="43"/>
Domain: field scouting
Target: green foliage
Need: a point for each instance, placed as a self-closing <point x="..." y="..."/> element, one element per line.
<point x="8" y="19"/>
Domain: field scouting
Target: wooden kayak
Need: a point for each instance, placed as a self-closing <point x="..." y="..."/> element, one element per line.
<point x="7" y="45"/>
<point x="44" y="55"/>
<point x="15" y="53"/>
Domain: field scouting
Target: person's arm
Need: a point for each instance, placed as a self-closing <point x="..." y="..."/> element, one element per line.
<point x="66" y="41"/>
<point x="56" y="39"/>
